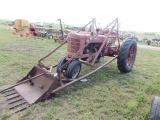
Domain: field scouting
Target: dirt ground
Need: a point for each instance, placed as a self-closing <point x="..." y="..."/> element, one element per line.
<point x="149" y="47"/>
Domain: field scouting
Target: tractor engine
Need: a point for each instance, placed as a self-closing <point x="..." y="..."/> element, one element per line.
<point x="77" y="41"/>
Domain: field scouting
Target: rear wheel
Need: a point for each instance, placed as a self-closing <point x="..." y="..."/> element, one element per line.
<point x="136" y="39"/>
<point x="127" y="55"/>
<point x="73" y="69"/>
<point x="155" y="109"/>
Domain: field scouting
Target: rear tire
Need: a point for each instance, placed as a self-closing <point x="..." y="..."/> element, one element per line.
<point x="136" y="39"/>
<point x="127" y="55"/>
<point x="155" y="109"/>
<point x="73" y="69"/>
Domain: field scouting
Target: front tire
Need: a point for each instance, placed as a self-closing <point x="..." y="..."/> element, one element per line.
<point x="61" y="63"/>
<point x="127" y="55"/>
<point x="155" y="109"/>
<point x="73" y="69"/>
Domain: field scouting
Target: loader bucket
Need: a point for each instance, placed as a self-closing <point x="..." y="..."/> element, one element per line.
<point x="34" y="90"/>
<point x="39" y="83"/>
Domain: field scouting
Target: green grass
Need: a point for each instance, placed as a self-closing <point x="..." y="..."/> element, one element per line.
<point x="107" y="95"/>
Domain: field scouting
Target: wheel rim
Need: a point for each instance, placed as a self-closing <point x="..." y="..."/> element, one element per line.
<point x="131" y="56"/>
<point x="75" y="72"/>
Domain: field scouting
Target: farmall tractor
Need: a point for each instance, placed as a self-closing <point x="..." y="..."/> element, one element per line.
<point x="83" y="48"/>
<point x="89" y="47"/>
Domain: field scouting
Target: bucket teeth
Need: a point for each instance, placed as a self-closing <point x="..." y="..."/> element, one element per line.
<point x="23" y="94"/>
<point x="7" y="90"/>
<point x="10" y="94"/>
<point x="20" y="109"/>
<point x="13" y="97"/>
<point x="14" y="106"/>
<point x="15" y="102"/>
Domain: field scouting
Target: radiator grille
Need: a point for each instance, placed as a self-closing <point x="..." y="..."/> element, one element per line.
<point x="74" y="45"/>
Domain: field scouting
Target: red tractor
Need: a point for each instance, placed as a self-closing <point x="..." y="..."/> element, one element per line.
<point x="89" y="47"/>
<point x="83" y="47"/>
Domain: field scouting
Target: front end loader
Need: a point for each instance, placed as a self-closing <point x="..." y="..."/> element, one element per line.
<point x="83" y="48"/>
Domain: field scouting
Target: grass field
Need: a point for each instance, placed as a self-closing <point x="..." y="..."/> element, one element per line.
<point x="107" y="95"/>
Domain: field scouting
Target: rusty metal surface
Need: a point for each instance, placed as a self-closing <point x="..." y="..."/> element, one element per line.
<point x="114" y="25"/>
<point x="31" y="93"/>
<point x="72" y="81"/>
<point x="40" y="83"/>
<point x="37" y="87"/>
<point x="15" y="102"/>
<point x="78" y="42"/>
<point x="131" y="56"/>
<point x="75" y="42"/>
<point x="32" y="89"/>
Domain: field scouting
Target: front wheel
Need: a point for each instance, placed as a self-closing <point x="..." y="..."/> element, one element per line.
<point x="155" y="109"/>
<point x="73" y="69"/>
<point x="126" y="56"/>
<point x="60" y="64"/>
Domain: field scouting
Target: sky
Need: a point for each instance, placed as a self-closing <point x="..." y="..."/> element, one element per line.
<point x="134" y="15"/>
